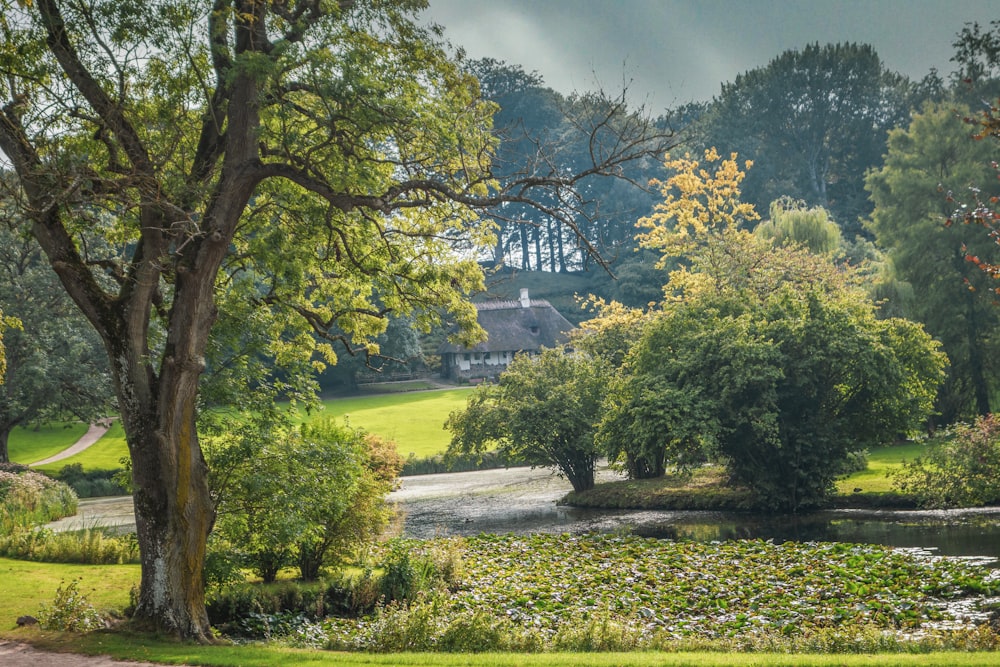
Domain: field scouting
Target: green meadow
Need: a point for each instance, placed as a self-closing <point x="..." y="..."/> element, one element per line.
<point x="34" y="443"/>
<point x="414" y="420"/>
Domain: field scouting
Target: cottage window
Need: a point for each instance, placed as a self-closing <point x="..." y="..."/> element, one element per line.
<point x="478" y="356"/>
<point x="467" y="356"/>
<point x="486" y="356"/>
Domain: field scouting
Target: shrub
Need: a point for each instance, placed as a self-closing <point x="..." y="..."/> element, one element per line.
<point x="92" y="483"/>
<point x="70" y="611"/>
<point x="28" y="498"/>
<point x="411" y="570"/>
<point x="961" y="468"/>
<point x="307" y="497"/>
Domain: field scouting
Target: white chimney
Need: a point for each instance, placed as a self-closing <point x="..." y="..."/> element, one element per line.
<point x="525" y="301"/>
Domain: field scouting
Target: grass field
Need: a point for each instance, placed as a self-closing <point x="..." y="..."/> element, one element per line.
<point x="881" y="462"/>
<point x="27" y="445"/>
<point x="415" y="421"/>
<point x="105" y="454"/>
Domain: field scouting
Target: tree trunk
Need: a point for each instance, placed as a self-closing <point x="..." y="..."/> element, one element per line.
<point x="174" y="512"/>
<point x="980" y="385"/>
<point x="4" y="436"/>
<point x="525" y="248"/>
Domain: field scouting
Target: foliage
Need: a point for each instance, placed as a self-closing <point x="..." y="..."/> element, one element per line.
<point x="56" y="369"/>
<point x="88" y="547"/>
<point x="961" y="467"/>
<point x="431" y="465"/>
<point x="253" y="178"/>
<point x="610" y="334"/>
<point x="929" y="162"/>
<point x="70" y="611"/>
<point x="785" y="388"/>
<point x="792" y="221"/>
<point x="92" y="483"/>
<point x="538" y="130"/>
<point x="813" y="120"/>
<point x="308" y="496"/>
<point x="548" y="592"/>
<point x="543" y="412"/>
<point x="698" y="205"/>
<point x="769" y="356"/>
<point x="28" y="498"/>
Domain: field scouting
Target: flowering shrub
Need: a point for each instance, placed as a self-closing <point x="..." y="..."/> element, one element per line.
<point x="961" y="468"/>
<point x="29" y="498"/>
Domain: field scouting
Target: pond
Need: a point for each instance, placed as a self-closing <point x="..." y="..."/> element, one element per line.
<point x="521" y="500"/>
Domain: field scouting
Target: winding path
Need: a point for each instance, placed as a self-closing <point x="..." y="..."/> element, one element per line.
<point x="93" y="434"/>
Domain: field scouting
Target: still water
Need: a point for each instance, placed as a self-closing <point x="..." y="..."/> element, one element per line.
<point x="520" y="500"/>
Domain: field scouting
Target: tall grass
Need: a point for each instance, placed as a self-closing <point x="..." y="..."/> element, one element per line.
<point x="92" y="546"/>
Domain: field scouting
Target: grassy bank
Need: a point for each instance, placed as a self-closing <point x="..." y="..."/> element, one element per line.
<point x="546" y="578"/>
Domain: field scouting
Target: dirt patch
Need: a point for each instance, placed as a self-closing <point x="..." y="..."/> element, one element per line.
<point x="14" y="654"/>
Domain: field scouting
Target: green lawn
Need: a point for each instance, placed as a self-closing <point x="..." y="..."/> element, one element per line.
<point x="881" y="461"/>
<point x="30" y="444"/>
<point x="415" y="421"/>
<point x="105" y="454"/>
<point x="28" y="584"/>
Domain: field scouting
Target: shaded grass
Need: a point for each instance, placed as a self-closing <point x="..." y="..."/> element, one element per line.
<point x="30" y="444"/>
<point x="704" y="490"/>
<point x="105" y="454"/>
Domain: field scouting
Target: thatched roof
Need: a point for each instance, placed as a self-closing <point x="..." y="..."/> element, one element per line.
<point x="513" y="326"/>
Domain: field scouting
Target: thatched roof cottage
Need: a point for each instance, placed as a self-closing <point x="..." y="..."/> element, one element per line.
<point x="511" y="327"/>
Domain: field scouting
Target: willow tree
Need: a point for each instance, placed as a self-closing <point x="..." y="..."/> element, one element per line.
<point x="312" y="164"/>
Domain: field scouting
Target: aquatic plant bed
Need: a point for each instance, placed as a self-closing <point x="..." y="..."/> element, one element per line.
<point x="544" y="592"/>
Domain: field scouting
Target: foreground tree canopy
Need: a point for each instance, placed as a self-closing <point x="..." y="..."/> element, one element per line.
<point x="304" y="168"/>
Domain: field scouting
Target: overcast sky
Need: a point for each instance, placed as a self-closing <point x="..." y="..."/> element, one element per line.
<point x="675" y="51"/>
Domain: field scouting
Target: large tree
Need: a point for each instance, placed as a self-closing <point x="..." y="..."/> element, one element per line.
<point x="56" y="368"/>
<point x="309" y="164"/>
<point x="813" y="121"/>
<point x="929" y="166"/>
